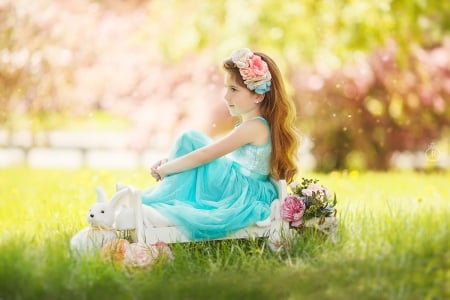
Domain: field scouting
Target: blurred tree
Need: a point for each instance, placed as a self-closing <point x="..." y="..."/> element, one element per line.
<point x="360" y="108"/>
<point x="32" y="67"/>
<point x="361" y="114"/>
<point x="300" y="31"/>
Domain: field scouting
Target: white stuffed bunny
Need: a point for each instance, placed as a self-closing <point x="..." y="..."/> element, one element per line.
<point x="124" y="212"/>
<point x="101" y="217"/>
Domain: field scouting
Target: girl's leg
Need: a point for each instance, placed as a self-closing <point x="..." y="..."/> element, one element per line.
<point x="168" y="189"/>
<point x="187" y="142"/>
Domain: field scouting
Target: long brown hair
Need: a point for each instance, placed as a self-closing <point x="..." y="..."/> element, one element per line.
<point x="279" y="110"/>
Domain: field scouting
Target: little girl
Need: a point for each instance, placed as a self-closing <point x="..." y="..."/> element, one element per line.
<point x="213" y="188"/>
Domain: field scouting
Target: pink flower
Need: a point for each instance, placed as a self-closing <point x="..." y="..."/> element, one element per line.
<point x="256" y="71"/>
<point x="246" y="73"/>
<point x="293" y="209"/>
<point x="140" y="255"/>
<point x="164" y="250"/>
<point x="317" y="190"/>
<point x="258" y="66"/>
<point x="294" y="184"/>
<point x="114" y="250"/>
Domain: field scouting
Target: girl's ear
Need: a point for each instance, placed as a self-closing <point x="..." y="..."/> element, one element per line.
<point x="259" y="98"/>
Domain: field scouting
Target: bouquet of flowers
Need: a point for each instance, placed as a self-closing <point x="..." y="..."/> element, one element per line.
<point x="310" y="205"/>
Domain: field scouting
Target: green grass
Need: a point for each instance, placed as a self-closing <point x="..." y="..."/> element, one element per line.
<point x="393" y="243"/>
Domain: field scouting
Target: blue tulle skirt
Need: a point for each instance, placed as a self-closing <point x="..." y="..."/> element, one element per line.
<point x="212" y="200"/>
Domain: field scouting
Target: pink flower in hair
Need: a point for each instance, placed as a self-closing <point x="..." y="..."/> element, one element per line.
<point x="258" y="66"/>
<point x="256" y="71"/>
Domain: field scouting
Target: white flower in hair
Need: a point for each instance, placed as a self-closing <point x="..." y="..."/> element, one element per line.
<point x="240" y="57"/>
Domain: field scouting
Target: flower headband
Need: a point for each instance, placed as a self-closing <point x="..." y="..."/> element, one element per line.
<point x="253" y="69"/>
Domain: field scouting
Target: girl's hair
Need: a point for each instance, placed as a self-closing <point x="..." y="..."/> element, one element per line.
<point x="278" y="109"/>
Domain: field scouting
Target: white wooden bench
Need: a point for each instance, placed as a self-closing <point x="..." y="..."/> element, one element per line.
<point x="276" y="230"/>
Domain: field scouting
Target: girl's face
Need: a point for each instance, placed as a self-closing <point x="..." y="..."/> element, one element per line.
<point x="240" y="100"/>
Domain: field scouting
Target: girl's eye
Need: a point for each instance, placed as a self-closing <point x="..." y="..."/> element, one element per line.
<point x="102" y="211"/>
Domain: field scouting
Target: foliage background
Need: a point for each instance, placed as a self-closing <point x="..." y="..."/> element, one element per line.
<point x="369" y="77"/>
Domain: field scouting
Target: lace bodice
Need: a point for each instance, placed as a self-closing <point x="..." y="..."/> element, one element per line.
<point x="255" y="159"/>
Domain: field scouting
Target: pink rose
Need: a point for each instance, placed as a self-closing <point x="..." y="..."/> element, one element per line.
<point x="293" y="209"/>
<point x="247" y="73"/>
<point x="257" y="70"/>
<point x="258" y="66"/>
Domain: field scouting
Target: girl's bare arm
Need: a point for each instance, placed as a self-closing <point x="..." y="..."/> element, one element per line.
<point x="249" y="132"/>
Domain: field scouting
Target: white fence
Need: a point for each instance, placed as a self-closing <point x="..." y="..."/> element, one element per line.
<point x="111" y="149"/>
<point x="74" y="149"/>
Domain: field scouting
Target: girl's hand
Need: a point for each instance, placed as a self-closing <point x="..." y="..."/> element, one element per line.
<point x="154" y="169"/>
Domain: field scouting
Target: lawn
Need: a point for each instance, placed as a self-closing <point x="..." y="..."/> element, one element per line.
<point x="393" y="243"/>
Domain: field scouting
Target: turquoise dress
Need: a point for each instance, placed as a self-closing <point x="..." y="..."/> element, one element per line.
<point x="217" y="198"/>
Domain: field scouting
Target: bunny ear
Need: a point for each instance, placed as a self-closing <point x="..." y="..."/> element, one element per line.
<point x="101" y="197"/>
<point x="119" y="186"/>
<point x="118" y="196"/>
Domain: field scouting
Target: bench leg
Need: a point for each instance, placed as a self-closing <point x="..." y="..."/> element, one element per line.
<point x="280" y="236"/>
